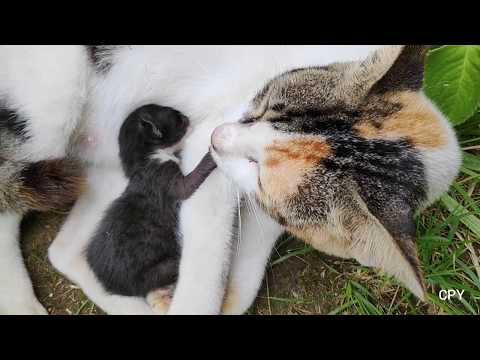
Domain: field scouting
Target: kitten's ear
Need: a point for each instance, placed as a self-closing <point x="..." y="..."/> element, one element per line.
<point x="390" y="68"/>
<point x="386" y="240"/>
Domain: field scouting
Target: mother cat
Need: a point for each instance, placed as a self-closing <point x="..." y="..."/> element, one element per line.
<point x="86" y="97"/>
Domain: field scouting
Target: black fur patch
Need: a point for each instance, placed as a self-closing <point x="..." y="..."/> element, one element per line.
<point x="381" y="169"/>
<point x="135" y="249"/>
<point x="390" y="166"/>
<point x="97" y="56"/>
<point x="12" y="122"/>
<point x="406" y="72"/>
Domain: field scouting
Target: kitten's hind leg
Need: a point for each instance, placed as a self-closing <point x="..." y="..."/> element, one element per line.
<point x="160" y="299"/>
<point x="16" y="292"/>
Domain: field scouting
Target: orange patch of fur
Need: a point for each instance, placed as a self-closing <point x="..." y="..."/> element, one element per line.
<point x="287" y="162"/>
<point x="415" y="121"/>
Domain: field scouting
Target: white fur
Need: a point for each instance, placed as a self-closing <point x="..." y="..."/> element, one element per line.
<point x="16" y="293"/>
<point x="47" y="85"/>
<point x="237" y="148"/>
<point x="442" y="164"/>
<point x="164" y="156"/>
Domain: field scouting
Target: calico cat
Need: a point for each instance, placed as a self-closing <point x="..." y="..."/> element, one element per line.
<point x="135" y="250"/>
<point x="344" y="155"/>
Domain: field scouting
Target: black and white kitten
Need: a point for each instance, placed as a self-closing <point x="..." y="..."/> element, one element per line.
<point x="135" y="250"/>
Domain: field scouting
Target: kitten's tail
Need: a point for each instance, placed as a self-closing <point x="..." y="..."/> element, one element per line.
<point x="42" y="186"/>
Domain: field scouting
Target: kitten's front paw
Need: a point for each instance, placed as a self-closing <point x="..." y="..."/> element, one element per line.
<point x="160" y="300"/>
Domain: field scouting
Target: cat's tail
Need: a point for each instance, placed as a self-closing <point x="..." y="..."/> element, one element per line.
<point x="42" y="186"/>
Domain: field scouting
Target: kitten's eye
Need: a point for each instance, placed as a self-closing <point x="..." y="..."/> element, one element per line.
<point x="151" y="127"/>
<point x="157" y="132"/>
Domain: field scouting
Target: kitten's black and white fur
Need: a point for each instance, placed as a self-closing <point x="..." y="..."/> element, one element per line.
<point x="135" y="250"/>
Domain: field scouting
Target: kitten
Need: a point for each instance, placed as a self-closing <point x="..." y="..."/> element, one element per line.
<point x="344" y="155"/>
<point x="135" y="251"/>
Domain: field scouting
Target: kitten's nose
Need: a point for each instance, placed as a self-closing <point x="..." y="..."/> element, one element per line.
<point x="223" y="137"/>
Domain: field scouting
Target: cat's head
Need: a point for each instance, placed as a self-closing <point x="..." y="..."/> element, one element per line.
<point x="341" y="156"/>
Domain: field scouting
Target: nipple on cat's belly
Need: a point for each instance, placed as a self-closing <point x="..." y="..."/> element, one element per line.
<point x="88" y="142"/>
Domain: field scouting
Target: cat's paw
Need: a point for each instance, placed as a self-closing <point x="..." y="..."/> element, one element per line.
<point x="160" y="300"/>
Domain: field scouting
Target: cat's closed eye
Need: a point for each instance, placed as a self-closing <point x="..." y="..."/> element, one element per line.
<point x="248" y="121"/>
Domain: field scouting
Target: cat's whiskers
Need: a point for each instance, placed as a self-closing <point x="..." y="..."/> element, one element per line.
<point x="233" y="188"/>
<point x="239" y="213"/>
<point x="253" y="209"/>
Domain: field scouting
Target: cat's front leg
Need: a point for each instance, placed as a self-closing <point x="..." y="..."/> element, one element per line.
<point x="206" y="221"/>
<point x="16" y="292"/>
<point x="258" y="234"/>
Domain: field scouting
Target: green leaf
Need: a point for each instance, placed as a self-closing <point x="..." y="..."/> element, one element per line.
<point x="452" y="80"/>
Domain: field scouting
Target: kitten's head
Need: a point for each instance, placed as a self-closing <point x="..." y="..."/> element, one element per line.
<point x="339" y="155"/>
<point x="148" y="129"/>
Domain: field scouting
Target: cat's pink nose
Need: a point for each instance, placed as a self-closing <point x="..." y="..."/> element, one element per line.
<point x="223" y="137"/>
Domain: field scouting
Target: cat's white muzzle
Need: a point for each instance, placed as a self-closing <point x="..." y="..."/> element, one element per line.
<point x="238" y="150"/>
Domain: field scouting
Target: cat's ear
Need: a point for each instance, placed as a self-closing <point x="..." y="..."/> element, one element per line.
<point x="390" y="68"/>
<point x="386" y="240"/>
